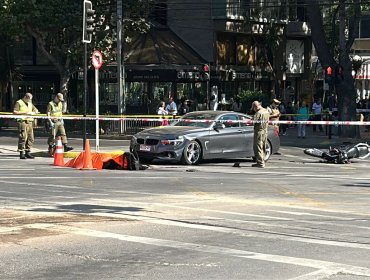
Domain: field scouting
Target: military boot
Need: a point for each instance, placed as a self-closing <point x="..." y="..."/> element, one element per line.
<point x="67" y="148"/>
<point x="28" y="155"/>
<point x="21" y="155"/>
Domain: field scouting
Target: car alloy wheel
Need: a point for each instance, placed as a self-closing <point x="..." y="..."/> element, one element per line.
<point x="268" y="151"/>
<point x="192" y="153"/>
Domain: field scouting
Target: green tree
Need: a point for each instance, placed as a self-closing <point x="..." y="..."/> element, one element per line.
<point x="56" y="27"/>
<point x="344" y="27"/>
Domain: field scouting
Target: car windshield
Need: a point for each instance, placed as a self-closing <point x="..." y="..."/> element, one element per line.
<point x="196" y="119"/>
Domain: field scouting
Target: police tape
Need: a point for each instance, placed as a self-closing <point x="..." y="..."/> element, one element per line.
<point x="246" y="121"/>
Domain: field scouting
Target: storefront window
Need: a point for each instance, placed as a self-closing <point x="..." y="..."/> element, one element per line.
<point x="137" y="99"/>
<point x="229" y="89"/>
<point x="225" y="50"/>
<point x="245" y="52"/>
<point x="162" y="90"/>
<point x="108" y="95"/>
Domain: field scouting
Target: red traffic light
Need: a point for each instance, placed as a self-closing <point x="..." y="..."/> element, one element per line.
<point x="205" y="67"/>
<point x="329" y="71"/>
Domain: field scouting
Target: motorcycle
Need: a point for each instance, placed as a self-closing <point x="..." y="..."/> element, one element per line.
<point x="342" y="154"/>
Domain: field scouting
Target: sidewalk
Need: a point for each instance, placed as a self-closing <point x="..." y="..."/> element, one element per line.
<point x="319" y="139"/>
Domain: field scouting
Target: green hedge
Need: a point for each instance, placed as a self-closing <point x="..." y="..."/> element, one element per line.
<point x="247" y="97"/>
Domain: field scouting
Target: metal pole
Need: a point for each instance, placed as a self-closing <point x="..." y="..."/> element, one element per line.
<point x="97" y="129"/>
<point x="207" y="97"/>
<point x="120" y="64"/>
<point x="85" y="97"/>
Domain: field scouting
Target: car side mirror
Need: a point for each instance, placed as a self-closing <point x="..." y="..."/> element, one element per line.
<point x="219" y="125"/>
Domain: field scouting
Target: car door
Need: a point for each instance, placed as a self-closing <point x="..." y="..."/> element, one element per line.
<point x="230" y="140"/>
<point x="248" y="131"/>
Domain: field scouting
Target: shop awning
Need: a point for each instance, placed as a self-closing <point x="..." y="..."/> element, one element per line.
<point x="160" y="46"/>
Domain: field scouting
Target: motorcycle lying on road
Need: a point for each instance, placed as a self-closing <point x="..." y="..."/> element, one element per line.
<point x="342" y="154"/>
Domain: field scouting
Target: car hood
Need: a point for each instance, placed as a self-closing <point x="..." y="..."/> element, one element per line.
<point x="171" y="130"/>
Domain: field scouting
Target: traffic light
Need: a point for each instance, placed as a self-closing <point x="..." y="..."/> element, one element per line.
<point x="205" y="72"/>
<point x="88" y="22"/>
<point x="329" y="75"/>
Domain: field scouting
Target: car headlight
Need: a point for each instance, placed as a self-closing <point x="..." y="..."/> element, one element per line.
<point x="173" y="142"/>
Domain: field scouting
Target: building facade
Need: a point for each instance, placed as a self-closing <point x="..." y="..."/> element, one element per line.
<point x="228" y="35"/>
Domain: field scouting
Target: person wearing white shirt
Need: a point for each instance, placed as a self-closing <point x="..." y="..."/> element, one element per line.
<point x="317" y="108"/>
<point x="161" y="110"/>
<point x="172" y="107"/>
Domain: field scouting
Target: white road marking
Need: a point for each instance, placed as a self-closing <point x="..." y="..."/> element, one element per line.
<point x="319" y="274"/>
<point x="310" y="214"/>
<point x="39" y="184"/>
<point x="330" y="268"/>
<point x="270" y="224"/>
<point x="16" y="169"/>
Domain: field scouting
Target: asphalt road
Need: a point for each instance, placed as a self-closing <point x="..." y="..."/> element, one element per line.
<point x="298" y="218"/>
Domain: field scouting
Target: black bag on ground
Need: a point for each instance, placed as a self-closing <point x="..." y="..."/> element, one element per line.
<point x="111" y="164"/>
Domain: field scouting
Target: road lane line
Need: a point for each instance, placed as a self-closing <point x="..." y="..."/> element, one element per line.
<point x="318" y="274"/>
<point x="305" y="262"/>
<point x="310" y="214"/>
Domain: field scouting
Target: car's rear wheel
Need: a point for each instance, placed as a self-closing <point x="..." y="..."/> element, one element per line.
<point x="268" y="151"/>
<point x="192" y="153"/>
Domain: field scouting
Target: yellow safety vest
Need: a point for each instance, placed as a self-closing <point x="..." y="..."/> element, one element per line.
<point x="25" y="108"/>
<point x="56" y="109"/>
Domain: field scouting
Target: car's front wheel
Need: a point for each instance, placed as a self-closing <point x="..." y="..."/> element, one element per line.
<point x="192" y="153"/>
<point x="268" y="151"/>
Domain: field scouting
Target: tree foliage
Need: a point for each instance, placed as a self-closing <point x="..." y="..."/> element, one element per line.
<point x="333" y="46"/>
<point x="56" y="27"/>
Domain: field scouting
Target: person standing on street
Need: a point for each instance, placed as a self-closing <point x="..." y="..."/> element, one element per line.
<point x="317" y="108"/>
<point x="172" y="107"/>
<point x="26" y="137"/>
<point x="274" y="112"/>
<point x="303" y="114"/>
<point x="55" y="112"/>
<point x="261" y="118"/>
<point x="162" y="111"/>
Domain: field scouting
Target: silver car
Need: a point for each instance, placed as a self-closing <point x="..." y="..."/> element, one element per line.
<point x="202" y="135"/>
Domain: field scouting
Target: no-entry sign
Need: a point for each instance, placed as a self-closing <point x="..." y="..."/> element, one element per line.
<point x="97" y="59"/>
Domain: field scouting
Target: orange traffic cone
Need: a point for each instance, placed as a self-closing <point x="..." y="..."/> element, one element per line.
<point x="87" y="159"/>
<point x="59" y="154"/>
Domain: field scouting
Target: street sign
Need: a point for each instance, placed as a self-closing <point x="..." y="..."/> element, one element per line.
<point x="97" y="59"/>
<point x="97" y="62"/>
